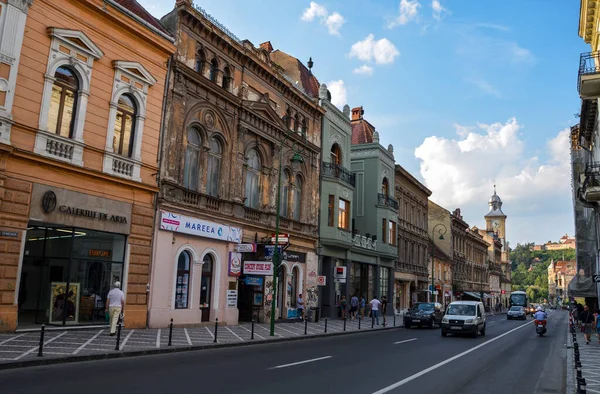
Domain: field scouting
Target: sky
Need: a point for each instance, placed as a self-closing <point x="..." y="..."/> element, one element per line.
<point x="470" y="93"/>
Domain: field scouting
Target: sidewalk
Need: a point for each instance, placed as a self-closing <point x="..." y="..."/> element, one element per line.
<point x="21" y="349"/>
<point x="589" y="356"/>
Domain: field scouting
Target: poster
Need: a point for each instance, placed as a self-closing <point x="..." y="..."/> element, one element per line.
<point x="235" y="264"/>
<point x="62" y="301"/>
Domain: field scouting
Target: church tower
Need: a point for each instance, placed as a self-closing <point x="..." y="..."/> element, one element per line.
<point x="495" y="221"/>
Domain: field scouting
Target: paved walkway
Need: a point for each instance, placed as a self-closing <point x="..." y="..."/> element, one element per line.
<point x="589" y="356"/>
<point x="21" y="349"/>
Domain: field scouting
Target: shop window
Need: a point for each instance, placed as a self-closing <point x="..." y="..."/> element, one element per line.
<point x="392" y="232"/>
<point x="330" y="210"/>
<point x="295" y="287"/>
<point x="298" y="198"/>
<point x="63" y="102"/>
<point x="284" y="197"/>
<point x="124" y="126"/>
<point x="192" y="159"/>
<point x="214" y="167"/>
<point x="384" y="276"/>
<point x="253" y="167"/>
<point x="183" y="280"/>
<point x="344" y="214"/>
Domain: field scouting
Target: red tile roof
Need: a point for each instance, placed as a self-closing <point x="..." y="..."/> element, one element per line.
<point x="134" y="7"/>
<point x="362" y="131"/>
<point x="295" y="69"/>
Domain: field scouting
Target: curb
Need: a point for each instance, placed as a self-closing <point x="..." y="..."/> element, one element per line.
<point x="179" y="349"/>
<point x="570" y="376"/>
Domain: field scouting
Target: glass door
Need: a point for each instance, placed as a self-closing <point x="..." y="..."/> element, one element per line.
<point x="206" y="286"/>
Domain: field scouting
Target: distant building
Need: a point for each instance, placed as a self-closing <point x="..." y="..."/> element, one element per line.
<point x="565" y="242"/>
<point x="560" y="273"/>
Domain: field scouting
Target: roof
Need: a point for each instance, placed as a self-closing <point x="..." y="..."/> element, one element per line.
<point x="294" y="69"/>
<point x="135" y="8"/>
<point x="362" y="130"/>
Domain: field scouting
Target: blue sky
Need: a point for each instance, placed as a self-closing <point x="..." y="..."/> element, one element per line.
<point x="469" y="92"/>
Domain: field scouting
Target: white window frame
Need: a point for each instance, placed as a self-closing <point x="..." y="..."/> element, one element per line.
<point x="115" y="164"/>
<point x="71" y="148"/>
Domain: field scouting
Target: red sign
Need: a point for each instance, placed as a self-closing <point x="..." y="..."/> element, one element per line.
<point x="503" y="292"/>
<point x="258" y="268"/>
<point x="321" y="280"/>
<point x="282" y="239"/>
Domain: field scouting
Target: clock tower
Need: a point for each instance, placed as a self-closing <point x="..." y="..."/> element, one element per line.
<point x="495" y="220"/>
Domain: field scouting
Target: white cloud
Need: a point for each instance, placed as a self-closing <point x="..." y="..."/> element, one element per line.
<point x="363" y="70"/>
<point x="485" y="87"/>
<point x="460" y="173"/>
<point x="381" y="51"/>
<point x="334" y="21"/>
<point x="313" y="11"/>
<point x="339" y="94"/>
<point x="438" y="10"/>
<point x="492" y="26"/>
<point x="409" y="11"/>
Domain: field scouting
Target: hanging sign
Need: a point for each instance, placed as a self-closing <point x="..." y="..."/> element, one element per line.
<point x="321" y="280"/>
<point x="263" y="268"/>
<point x="339" y="274"/>
<point x="245" y="248"/>
<point x="235" y="264"/>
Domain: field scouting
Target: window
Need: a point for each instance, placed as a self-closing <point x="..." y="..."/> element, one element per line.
<point x="385" y="187"/>
<point x="330" y="210"/>
<point x="192" y="159"/>
<point x="226" y="79"/>
<point x="63" y="102"/>
<point x="384" y="279"/>
<point x="285" y="194"/>
<point x="124" y="126"/>
<point x="384" y="230"/>
<point x="344" y="214"/>
<point x="296" y="122"/>
<point x="253" y="179"/>
<point x="336" y="155"/>
<point x="214" y="167"/>
<point x="214" y="68"/>
<point x="298" y="198"/>
<point x="288" y="117"/>
<point x="199" y="66"/>
<point x="183" y="280"/>
<point x="392" y="232"/>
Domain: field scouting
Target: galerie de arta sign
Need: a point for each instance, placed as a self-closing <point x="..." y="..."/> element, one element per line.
<point x="184" y="224"/>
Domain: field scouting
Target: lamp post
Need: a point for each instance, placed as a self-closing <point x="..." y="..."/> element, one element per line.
<point x="441" y="232"/>
<point x="296" y="161"/>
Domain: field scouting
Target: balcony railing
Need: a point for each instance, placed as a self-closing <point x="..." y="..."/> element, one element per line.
<point x="387" y="201"/>
<point x="591" y="184"/>
<point x="589" y="64"/>
<point x="339" y="172"/>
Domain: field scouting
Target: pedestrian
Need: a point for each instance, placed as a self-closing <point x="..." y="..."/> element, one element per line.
<point x="587" y="319"/>
<point x="300" y="306"/>
<point x="375" y="303"/>
<point x="580" y="310"/>
<point x="353" y="307"/>
<point x="115" y="305"/>
<point x="383" y="309"/>
<point x="363" y="304"/>
<point x="343" y="306"/>
<point x="597" y="324"/>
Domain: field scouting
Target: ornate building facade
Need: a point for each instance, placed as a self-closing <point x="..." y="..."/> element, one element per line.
<point x="233" y="119"/>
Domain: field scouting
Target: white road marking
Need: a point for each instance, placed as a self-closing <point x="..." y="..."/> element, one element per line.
<point x="236" y="335"/>
<point x="211" y="334"/>
<point x="10" y="339"/>
<point x="255" y="334"/>
<point x="187" y="336"/>
<point x="125" y="340"/>
<point x="158" y="338"/>
<point x="33" y="349"/>
<point x="408" y="340"/>
<point x="440" y="364"/>
<point x="87" y="342"/>
<point x="301" y="362"/>
<point x="291" y="332"/>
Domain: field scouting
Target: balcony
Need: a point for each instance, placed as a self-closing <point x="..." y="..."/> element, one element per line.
<point x="591" y="184"/>
<point x="588" y="82"/>
<point x="339" y="172"/>
<point x="387" y="201"/>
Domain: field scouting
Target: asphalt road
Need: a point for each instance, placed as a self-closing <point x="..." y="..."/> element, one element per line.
<point x="509" y="359"/>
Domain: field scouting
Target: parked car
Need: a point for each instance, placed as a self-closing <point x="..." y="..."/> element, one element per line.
<point x="464" y="317"/>
<point x="516" y="312"/>
<point x="424" y="314"/>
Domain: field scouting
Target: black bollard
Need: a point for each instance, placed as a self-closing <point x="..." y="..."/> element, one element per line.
<point x="344" y="324"/>
<point x="170" y="332"/>
<point x="305" y="325"/>
<point x="216" y="327"/>
<point x="41" y="349"/>
<point x="359" y="319"/>
<point x="394" y="320"/>
<point x="579" y="372"/>
<point x="252" y="332"/>
<point x="118" y="336"/>
<point x="325" y="325"/>
<point x="372" y="321"/>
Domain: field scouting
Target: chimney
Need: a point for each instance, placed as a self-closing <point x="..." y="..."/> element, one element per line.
<point x="267" y="46"/>
<point x="179" y="3"/>
<point x="357" y="113"/>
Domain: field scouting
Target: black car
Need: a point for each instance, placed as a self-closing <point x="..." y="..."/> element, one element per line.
<point x="424" y="314"/>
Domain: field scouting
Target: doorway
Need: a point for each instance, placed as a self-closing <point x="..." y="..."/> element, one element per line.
<point x="206" y="286"/>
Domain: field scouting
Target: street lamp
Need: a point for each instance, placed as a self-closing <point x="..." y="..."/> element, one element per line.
<point x="441" y="232"/>
<point x="296" y="162"/>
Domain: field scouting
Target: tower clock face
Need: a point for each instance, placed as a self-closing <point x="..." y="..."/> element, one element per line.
<point x="496" y="224"/>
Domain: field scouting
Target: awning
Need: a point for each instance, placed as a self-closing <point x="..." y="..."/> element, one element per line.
<point x="477" y="295"/>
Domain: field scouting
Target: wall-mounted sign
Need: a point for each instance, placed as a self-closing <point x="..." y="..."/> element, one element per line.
<point x="235" y="264"/>
<point x="263" y="268"/>
<point x="339" y="274"/>
<point x="232" y="296"/>
<point x="321" y="280"/>
<point x="245" y="248"/>
<point x="254" y="281"/>
<point x="99" y="253"/>
<point x="282" y="239"/>
<point x="288" y="255"/>
<point x="202" y="228"/>
<point x="9" y="234"/>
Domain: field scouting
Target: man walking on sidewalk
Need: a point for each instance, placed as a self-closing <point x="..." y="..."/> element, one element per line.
<point x="375" y="308"/>
<point x="115" y="304"/>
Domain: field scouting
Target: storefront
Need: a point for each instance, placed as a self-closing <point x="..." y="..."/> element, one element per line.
<point x="194" y="278"/>
<point x="75" y="249"/>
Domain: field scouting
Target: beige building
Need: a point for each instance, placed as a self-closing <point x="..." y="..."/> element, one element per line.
<point x="560" y="273"/>
<point x="440" y="223"/>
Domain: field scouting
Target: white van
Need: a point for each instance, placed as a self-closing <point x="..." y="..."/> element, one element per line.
<point x="464" y="317"/>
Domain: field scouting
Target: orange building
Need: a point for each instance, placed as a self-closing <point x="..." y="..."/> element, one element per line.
<point x="81" y="97"/>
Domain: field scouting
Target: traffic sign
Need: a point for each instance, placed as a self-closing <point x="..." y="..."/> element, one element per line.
<point x="321" y="280"/>
<point x="282" y="239"/>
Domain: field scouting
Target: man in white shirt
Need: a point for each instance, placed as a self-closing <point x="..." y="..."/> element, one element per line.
<point x="375" y="308"/>
<point x="115" y="304"/>
<point x="300" y="306"/>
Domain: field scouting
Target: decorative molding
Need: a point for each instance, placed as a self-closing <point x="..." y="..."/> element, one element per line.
<point x="22" y="5"/>
<point x="337" y="117"/>
<point x="373" y="152"/>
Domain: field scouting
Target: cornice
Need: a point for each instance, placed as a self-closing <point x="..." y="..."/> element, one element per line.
<point x="372" y="151"/>
<point x="588" y="21"/>
<point x="337" y="117"/>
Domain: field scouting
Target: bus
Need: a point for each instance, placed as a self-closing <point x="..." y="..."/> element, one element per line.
<point x="518" y="298"/>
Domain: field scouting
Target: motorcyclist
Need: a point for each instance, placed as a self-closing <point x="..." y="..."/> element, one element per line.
<point x="540" y="315"/>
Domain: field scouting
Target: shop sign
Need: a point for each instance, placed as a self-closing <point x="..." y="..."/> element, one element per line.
<point x="9" y="234"/>
<point x="99" y="253"/>
<point x="263" y="268"/>
<point x="283" y="239"/>
<point x="245" y="248"/>
<point x="202" y="228"/>
<point x="288" y="255"/>
<point x="235" y="264"/>
<point x="321" y="280"/>
<point x="232" y="296"/>
<point x="339" y="274"/>
<point x="254" y="281"/>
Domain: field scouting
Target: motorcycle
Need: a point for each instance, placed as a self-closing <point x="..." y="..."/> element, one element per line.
<point x="540" y="327"/>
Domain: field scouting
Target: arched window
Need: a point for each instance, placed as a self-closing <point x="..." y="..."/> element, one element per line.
<point x="206" y="286"/>
<point x="214" y="67"/>
<point x="214" y="167"/>
<point x="192" y="159"/>
<point x="124" y="126"/>
<point x="200" y="61"/>
<point x="285" y="194"/>
<point x="253" y="179"/>
<point x="298" y="198"/>
<point x="296" y="122"/>
<point x="336" y="155"/>
<point x="183" y="280"/>
<point x="63" y="102"/>
<point x="227" y="79"/>
<point x="385" y="186"/>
